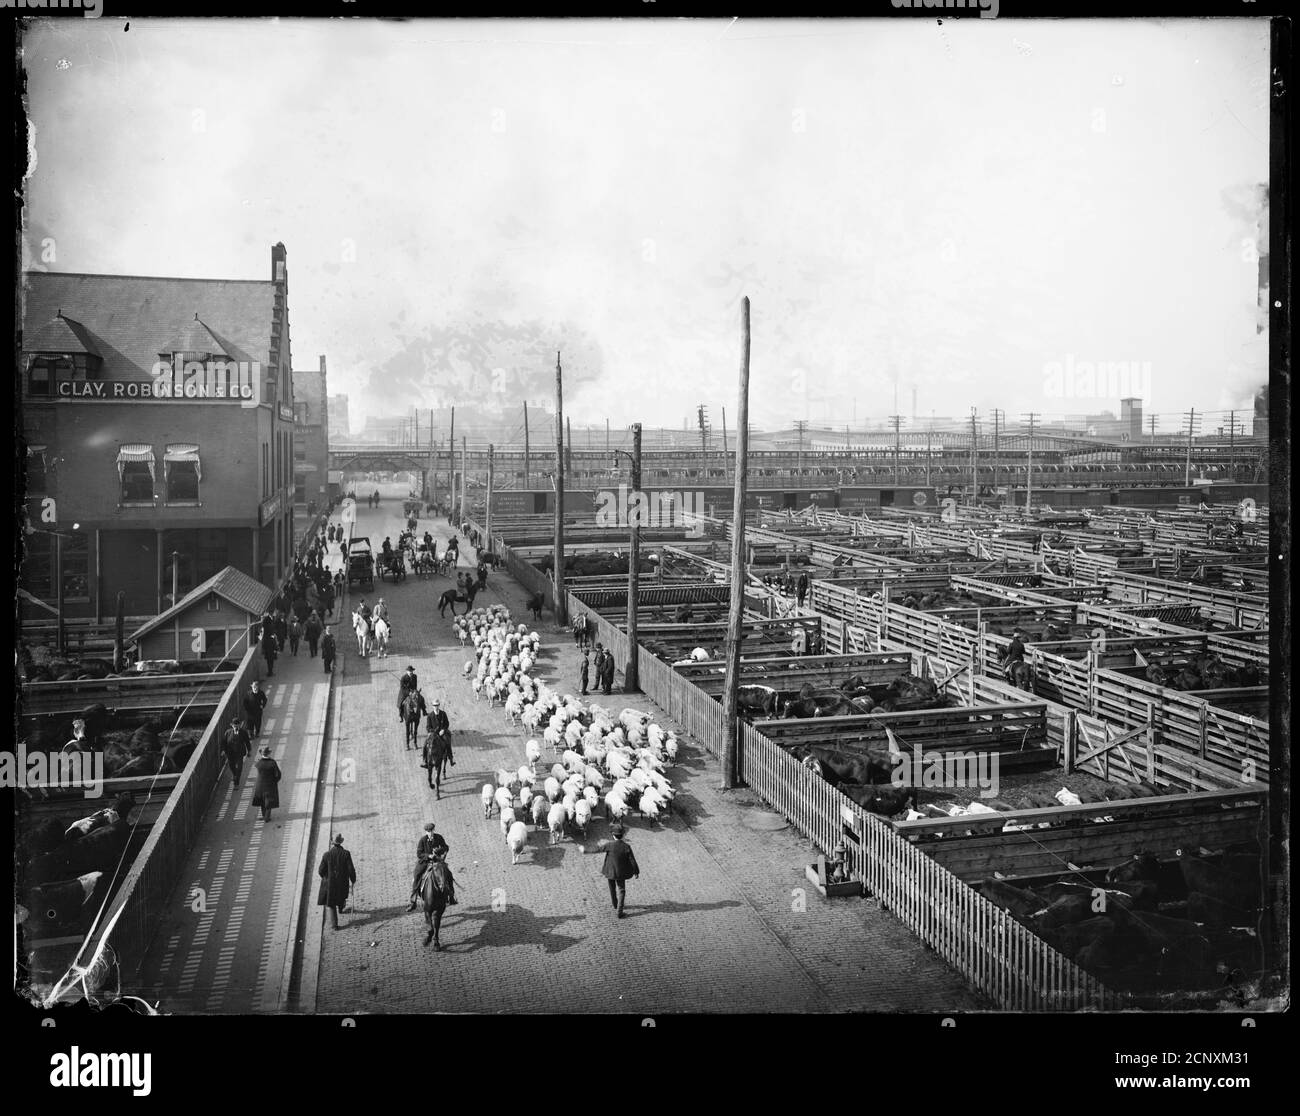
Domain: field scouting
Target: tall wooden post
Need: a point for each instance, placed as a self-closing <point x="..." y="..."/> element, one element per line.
<point x="464" y="476"/>
<point x="631" y="673"/>
<point x="451" y="465"/>
<point x="736" y="611"/>
<point x="724" y="443"/>
<point x="526" y="453"/>
<point x="487" y="511"/>
<point x="568" y="446"/>
<point x="561" y="611"/>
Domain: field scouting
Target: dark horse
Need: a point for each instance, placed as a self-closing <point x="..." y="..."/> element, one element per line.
<point x="535" y="604"/>
<point x="437" y="751"/>
<point x="451" y="597"/>
<point x="413" y="708"/>
<point x="433" y="894"/>
<point x="1020" y="674"/>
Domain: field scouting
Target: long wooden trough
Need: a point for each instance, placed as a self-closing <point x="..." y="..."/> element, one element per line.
<point x="1038" y="841"/>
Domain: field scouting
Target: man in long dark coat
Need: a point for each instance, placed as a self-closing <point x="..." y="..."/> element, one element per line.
<point x="619" y="867"/>
<point x="237" y="747"/>
<point x="408" y="682"/>
<point x="337" y="875"/>
<point x="607" y="673"/>
<point x="254" y="704"/>
<point x="327" y="651"/>
<point x="584" y="672"/>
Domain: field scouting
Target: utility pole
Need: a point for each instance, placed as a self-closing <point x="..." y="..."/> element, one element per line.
<point x="736" y="608"/>
<point x="487" y="511"/>
<point x="631" y="674"/>
<point x="800" y="425"/>
<point x="928" y="435"/>
<point x="431" y="489"/>
<point x="724" y="443"/>
<point x="704" y="442"/>
<point x="1192" y="421"/>
<point x="1031" y="417"/>
<point x="561" y="609"/>
<point x="1232" y="443"/>
<point x="568" y="446"/>
<point x="464" y="476"/>
<point x="526" y="480"/>
<point x="451" y="463"/>
<point x="607" y="435"/>
<point x="897" y="421"/>
<point x="974" y="457"/>
<point x="997" y="456"/>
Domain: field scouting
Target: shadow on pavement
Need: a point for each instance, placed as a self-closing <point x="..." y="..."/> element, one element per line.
<point x="515" y="926"/>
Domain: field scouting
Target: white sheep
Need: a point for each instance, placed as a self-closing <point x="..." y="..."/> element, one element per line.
<point x="552" y="736"/>
<point x="591" y="795"/>
<point x="615" y="807"/>
<point x="558" y="773"/>
<point x="489" y="799"/>
<point x="539" y="808"/>
<point x="507" y="820"/>
<point x="593" y="777"/>
<point x="649" y="806"/>
<point x="552" y="788"/>
<point x="525" y="774"/>
<point x="570" y="804"/>
<point x="504" y="799"/>
<point x="555" y="820"/>
<point x="582" y="815"/>
<point x="517" y="838"/>
<point x="533" y="751"/>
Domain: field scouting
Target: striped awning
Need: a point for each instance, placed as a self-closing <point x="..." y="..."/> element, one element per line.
<point x="184" y="452"/>
<point x="137" y="453"/>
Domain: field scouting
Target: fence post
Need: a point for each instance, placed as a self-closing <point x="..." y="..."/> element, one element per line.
<point x="1151" y="741"/>
<point x="1071" y="742"/>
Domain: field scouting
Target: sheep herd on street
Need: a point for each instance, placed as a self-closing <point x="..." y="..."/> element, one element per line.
<point x="601" y="759"/>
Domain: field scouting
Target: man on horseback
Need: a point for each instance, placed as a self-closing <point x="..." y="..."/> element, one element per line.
<point x="1013" y="658"/>
<point x="440" y="726"/>
<point x="409" y="681"/>
<point x="431" y="849"/>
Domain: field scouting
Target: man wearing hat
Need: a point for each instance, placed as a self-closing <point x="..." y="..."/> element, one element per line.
<point x="337" y="876"/>
<point x="254" y="704"/>
<point x="431" y="847"/>
<point x="619" y="867"/>
<point x="408" y="682"/>
<point x="1015" y="652"/>
<point x="438" y="723"/>
<point x="236" y="746"/>
<point x="266" y="792"/>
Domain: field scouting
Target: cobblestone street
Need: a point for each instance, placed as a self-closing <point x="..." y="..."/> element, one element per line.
<point x="721" y="920"/>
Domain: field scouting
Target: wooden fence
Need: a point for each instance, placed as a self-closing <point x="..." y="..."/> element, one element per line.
<point x="997" y="955"/>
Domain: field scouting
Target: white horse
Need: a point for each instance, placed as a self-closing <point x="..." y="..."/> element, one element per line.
<point x="382" y="632"/>
<point x="362" y="629"/>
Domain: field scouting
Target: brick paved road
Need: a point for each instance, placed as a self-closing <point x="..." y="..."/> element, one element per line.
<point x="713" y="923"/>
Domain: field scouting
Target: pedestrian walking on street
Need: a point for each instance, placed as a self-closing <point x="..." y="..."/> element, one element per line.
<point x="312" y="632"/>
<point x="619" y="867"/>
<point x="295" y="635"/>
<point x="254" y="703"/>
<point x="237" y="747"/>
<point x="337" y="877"/>
<point x="269" y="650"/>
<point x="584" y="672"/>
<point x="266" y="793"/>
<point x="327" y="598"/>
<point x="327" y="650"/>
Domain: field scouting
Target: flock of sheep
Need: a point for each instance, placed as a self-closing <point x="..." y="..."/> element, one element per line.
<point x="600" y="758"/>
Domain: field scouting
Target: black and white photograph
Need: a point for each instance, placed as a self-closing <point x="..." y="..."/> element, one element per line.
<point x="650" y="517"/>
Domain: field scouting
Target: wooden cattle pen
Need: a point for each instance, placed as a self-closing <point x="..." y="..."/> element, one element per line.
<point x="1109" y="597"/>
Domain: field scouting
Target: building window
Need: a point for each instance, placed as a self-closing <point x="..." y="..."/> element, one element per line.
<point x="215" y="643"/>
<point x="42" y="375"/>
<point x="38" y="565"/>
<point x="212" y="553"/>
<point x="135" y="469"/>
<point x="183" y="473"/>
<point x="75" y="559"/>
<point x="36" y="479"/>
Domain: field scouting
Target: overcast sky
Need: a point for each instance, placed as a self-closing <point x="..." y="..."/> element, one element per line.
<point x="948" y="207"/>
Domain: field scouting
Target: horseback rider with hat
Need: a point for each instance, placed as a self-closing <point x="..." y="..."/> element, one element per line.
<point x="431" y="849"/>
<point x="438" y="724"/>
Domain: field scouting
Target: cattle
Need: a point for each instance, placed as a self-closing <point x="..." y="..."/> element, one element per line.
<point x="1233" y="880"/>
<point x="811" y="702"/>
<point x="1018" y="901"/>
<point x="96" y="718"/>
<point x="1214" y="912"/>
<point x="97" y="852"/>
<point x="1166" y="877"/>
<point x="838" y="766"/>
<point x="875" y="799"/>
<point x="1062" y="912"/>
<point x="1139" y="895"/>
<point x="757" y="701"/>
<point x="62" y="902"/>
<point x="1072" y="938"/>
<point x="1175" y="944"/>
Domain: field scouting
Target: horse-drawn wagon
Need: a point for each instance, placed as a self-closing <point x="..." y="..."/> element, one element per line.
<point x="361" y="563"/>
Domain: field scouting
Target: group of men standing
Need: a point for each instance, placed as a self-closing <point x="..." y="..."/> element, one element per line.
<point x="604" y="666"/>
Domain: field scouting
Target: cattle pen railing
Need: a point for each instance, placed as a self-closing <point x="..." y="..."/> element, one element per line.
<point x="1000" y="957"/>
<point x="133" y="918"/>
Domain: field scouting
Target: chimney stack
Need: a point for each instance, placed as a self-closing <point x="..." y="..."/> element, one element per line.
<point x="322" y="364"/>
<point x="278" y="265"/>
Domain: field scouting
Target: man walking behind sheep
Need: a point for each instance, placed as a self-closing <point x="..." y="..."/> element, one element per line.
<point x="619" y="867"/>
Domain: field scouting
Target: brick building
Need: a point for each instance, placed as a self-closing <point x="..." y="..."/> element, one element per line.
<point x="158" y="420"/>
<point x="311" y="438"/>
<point x="339" y="422"/>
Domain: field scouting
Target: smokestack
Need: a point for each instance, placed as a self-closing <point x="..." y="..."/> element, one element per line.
<point x="322" y="364"/>
<point x="279" y="256"/>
